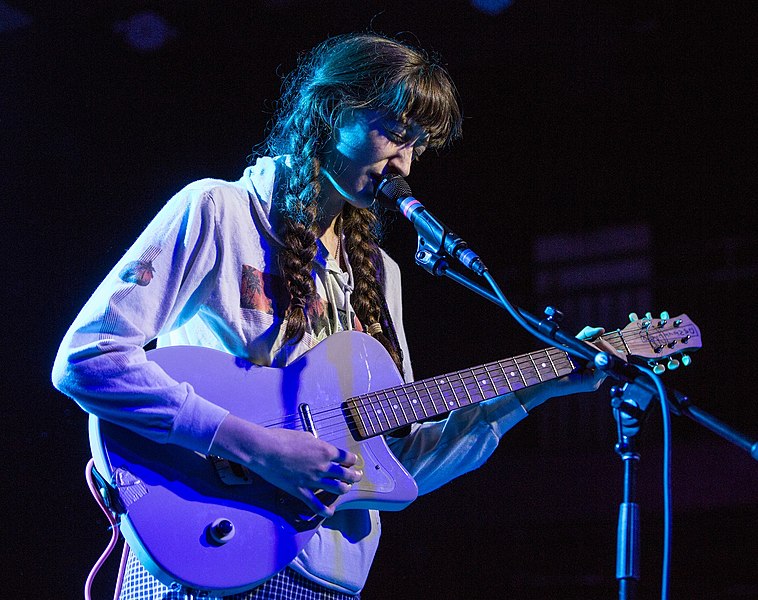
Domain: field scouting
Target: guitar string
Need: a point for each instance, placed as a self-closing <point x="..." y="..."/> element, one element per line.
<point x="459" y="378"/>
<point x="425" y="397"/>
<point x="383" y="398"/>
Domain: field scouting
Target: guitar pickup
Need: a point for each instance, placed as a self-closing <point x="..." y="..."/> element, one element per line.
<point x="231" y="473"/>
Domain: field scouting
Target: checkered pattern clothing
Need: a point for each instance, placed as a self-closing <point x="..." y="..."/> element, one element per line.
<point x="286" y="585"/>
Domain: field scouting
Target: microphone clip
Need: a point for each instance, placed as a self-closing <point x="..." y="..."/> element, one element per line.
<point x="430" y="259"/>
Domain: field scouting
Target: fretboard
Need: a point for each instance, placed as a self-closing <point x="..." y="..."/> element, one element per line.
<point x="379" y="412"/>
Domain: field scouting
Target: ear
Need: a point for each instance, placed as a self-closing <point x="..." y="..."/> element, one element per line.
<point x="342" y="117"/>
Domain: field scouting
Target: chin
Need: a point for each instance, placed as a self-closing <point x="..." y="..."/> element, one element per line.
<point x="361" y="200"/>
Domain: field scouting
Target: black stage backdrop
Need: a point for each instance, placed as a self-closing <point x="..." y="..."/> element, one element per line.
<point x="606" y="163"/>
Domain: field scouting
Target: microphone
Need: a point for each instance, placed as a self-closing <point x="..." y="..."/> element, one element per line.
<point x="393" y="193"/>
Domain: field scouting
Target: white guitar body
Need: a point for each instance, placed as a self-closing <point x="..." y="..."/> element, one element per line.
<point x="172" y="496"/>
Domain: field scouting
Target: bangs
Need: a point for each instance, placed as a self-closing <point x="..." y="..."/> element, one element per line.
<point x="426" y="96"/>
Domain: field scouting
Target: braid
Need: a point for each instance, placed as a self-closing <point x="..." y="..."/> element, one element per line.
<point x="342" y="74"/>
<point x="361" y="227"/>
<point x="299" y="232"/>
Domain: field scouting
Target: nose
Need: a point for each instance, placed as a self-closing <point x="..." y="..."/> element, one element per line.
<point x="402" y="159"/>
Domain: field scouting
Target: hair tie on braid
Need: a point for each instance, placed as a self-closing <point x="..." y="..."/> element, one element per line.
<point x="374" y="329"/>
<point x="297" y="303"/>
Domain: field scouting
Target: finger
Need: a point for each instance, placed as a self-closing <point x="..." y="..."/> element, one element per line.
<point x="590" y="333"/>
<point x="312" y="501"/>
<point x="348" y="475"/>
<point x="345" y="458"/>
<point x="335" y="486"/>
<point x="603" y="345"/>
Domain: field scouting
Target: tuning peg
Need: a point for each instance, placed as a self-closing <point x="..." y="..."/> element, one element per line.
<point x="633" y="317"/>
<point x="658" y="368"/>
<point x="673" y="364"/>
<point x="686" y="360"/>
<point x="665" y="315"/>
<point x="648" y="315"/>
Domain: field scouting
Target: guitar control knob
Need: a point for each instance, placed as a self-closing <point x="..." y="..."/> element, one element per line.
<point x="220" y="531"/>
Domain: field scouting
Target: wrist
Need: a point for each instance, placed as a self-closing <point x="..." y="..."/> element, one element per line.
<point x="530" y="398"/>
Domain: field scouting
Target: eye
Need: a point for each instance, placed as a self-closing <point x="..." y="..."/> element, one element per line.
<point x="418" y="150"/>
<point x="396" y="135"/>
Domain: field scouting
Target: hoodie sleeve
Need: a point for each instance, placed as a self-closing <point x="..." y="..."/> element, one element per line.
<point x="158" y="285"/>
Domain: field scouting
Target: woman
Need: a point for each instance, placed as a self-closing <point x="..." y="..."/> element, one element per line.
<point x="265" y="268"/>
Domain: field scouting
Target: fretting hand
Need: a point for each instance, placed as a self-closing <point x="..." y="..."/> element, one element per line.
<point x="585" y="379"/>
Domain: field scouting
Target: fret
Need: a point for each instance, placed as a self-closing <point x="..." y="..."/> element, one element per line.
<point x="566" y="365"/>
<point x="552" y="364"/>
<point x="406" y="420"/>
<point x="475" y="377"/>
<point x="491" y="381"/>
<point x="374" y="430"/>
<point x="534" y="364"/>
<point x="469" y="399"/>
<point x="440" y="393"/>
<point x="411" y="406"/>
<point x="458" y="387"/>
<point x="494" y="373"/>
<point x="452" y="389"/>
<point x="389" y="402"/>
<point x="544" y="365"/>
<point x="522" y="379"/>
<point x="420" y="400"/>
<point x="379" y="412"/>
<point x="527" y="370"/>
<point x="435" y="406"/>
<point x="513" y="377"/>
<point x="354" y="418"/>
<point x="420" y="397"/>
<point x="505" y="375"/>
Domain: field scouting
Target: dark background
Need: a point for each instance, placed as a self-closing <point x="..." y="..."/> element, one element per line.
<point x="590" y="120"/>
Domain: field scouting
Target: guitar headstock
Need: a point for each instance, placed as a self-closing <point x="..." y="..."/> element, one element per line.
<point x="653" y="340"/>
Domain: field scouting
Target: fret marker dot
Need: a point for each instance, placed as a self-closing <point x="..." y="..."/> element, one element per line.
<point x="513" y="373"/>
<point x="544" y="365"/>
<point x="395" y="406"/>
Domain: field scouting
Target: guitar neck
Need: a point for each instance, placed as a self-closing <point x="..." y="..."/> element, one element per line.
<point x="379" y="412"/>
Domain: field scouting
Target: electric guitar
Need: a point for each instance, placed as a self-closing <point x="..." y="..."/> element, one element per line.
<point x="213" y="525"/>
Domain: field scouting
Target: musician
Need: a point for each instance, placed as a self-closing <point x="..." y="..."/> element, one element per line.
<point x="265" y="268"/>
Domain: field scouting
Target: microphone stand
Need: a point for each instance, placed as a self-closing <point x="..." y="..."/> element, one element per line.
<point x="630" y="403"/>
<point x="547" y="329"/>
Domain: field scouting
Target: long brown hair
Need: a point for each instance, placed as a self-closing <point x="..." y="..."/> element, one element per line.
<point x="348" y="72"/>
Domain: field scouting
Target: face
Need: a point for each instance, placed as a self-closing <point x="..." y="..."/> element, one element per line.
<point x="365" y="146"/>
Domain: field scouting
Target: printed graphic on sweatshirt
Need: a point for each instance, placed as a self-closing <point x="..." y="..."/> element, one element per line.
<point x="140" y="271"/>
<point x="267" y="293"/>
<point x="263" y="291"/>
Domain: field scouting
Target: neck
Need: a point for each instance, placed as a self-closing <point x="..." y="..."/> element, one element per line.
<point x="331" y="204"/>
<point x="329" y="233"/>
